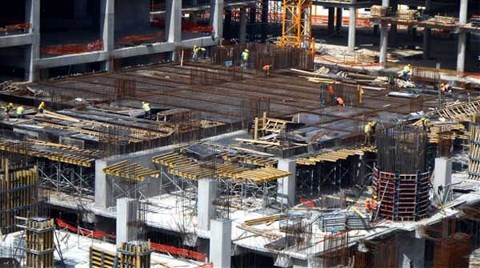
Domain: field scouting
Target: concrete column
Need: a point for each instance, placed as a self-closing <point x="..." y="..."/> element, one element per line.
<point x="384" y="38"/>
<point x="174" y="9"/>
<point x="243" y="26"/>
<point x="103" y="186"/>
<point x="286" y="186"/>
<point x="331" y="19"/>
<point x="221" y="243"/>
<point x="462" y="37"/>
<point x="442" y="174"/>
<point x="107" y="28"/>
<point x="412" y="250"/>
<point x="252" y="25"/>
<point x="32" y="14"/>
<point x="351" y="27"/>
<point x="217" y="20"/>
<point x="339" y="19"/>
<point x="127" y="211"/>
<point x="207" y="191"/>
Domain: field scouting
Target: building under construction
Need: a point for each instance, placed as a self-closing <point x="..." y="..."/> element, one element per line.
<point x="240" y="133"/>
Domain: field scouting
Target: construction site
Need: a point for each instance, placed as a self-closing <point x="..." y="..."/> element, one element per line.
<point x="256" y="133"/>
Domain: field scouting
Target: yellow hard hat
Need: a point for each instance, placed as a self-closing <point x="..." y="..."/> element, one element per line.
<point x="42" y="102"/>
<point x="10" y="104"/>
<point x="246" y="50"/>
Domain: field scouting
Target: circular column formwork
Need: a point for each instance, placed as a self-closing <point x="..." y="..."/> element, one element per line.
<point x="401" y="179"/>
<point x="402" y="197"/>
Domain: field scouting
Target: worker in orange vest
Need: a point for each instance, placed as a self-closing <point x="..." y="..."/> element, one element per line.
<point x="266" y="69"/>
<point x="370" y="204"/>
<point x="340" y="101"/>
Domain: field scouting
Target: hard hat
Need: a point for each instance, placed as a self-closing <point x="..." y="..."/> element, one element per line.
<point x="143" y="102"/>
<point x="409" y="65"/>
<point x="374" y="123"/>
<point x="10" y="104"/>
<point x="42" y="102"/>
<point x="246" y="50"/>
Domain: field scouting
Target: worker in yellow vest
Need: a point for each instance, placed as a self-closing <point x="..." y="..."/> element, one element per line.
<point x="41" y="107"/>
<point x="146" y="109"/>
<point x="19" y="112"/>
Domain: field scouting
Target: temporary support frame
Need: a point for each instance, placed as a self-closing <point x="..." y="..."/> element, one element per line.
<point x="68" y="178"/>
<point x="297" y="25"/>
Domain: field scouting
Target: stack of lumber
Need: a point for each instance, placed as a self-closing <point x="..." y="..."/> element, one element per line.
<point x="406" y="14"/>
<point x="378" y="11"/>
<point x="444" y="20"/>
<point x="474" y="155"/>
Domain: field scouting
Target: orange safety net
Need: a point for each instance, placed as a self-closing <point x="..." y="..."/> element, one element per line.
<point x="16" y="27"/>
<point x="72" y="48"/>
<point x="139" y="38"/>
<point x="161" y="248"/>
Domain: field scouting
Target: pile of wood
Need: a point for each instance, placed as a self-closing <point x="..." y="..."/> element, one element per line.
<point x="378" y="11"/>
<point x="407" y="14"/>
<point x="444" y="20"/>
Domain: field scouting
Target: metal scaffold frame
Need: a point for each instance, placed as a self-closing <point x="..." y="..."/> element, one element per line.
<point x="249" y="193"/>
<point x="296" y="24"/>
<point x="68" y="178"/>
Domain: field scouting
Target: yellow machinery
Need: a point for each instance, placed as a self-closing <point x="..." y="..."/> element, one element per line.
<point x="297" y="24"/>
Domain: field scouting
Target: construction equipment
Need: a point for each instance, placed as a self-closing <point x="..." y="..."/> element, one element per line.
<point x="297" y="24"/>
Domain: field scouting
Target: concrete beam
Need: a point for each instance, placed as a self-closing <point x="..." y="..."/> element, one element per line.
<point x="16" y="40"/>
<point x="221" y="243"/>
<point x="73" y="59"/>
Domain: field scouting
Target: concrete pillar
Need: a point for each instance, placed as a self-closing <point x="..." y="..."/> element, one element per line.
<point x="351" y="27"/>
<point x="107" y="28"/>
<point x="331" y="19"/>
<point x="221" y="243"/>
<point x="384" y="37"/>
<point x="207" y="191"/>
<point x="127" y="211"/>
<point x="32" y="14"/>
<point x="462" y="37"/>
<point x="286" y="186"/>
<point x="217" y="20"/>
<point x="174" y="9"/>
<point x="252" y="22"/>
<point x="243" y="26"/>
<point x="339" y="19"/>
<point x="103" y="186"/>
<point x="412" y="250"/>
<point x="442" y="174"/>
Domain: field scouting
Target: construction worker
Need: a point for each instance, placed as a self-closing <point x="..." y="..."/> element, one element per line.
<point x="8" y="108"/>
<point x="147" y="110"/>
<point x="19" y="112"/>
<point x="340" y="101"/>
<point x="425" y="124"/>
<point x="370" y="205"/>
<point x="197" y="53"/>
<point x="266" y="69"/>
<point x="406" y="73"/>
<point x="369" y="130"/>
<point x="244" y="57"/>
<point x="41" y="107"/>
